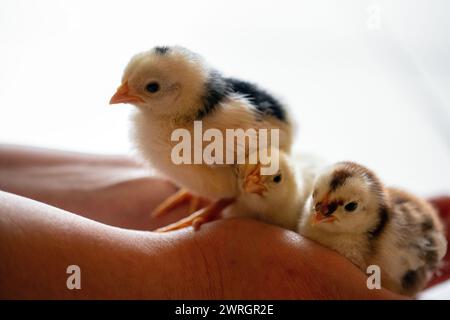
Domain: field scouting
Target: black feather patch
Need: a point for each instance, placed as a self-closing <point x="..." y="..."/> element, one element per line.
<point x="383" y="218"/>
<point x="162" y="50"/>
<point x="263" y="101"/>
<point x="216" y="89"/>
<point x="410" y="279"/>
<point x="427" y="224"/>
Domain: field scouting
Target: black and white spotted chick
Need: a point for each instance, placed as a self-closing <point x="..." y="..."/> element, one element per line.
<point x="172" y="87"/>
<point x="351" y="212"/>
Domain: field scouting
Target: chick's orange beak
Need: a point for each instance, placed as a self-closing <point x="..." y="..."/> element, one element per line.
<point x="321" y="218"/>
<point x="123" y="95"/>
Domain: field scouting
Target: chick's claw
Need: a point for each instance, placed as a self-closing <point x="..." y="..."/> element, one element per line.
<point x="197" y="223"/>
<point x="253" y="182"/>
<point x="199" y="217"/>
<point x="255" y="172"/>
<point x="176" y="200"/>
<point x="195" y="204"/>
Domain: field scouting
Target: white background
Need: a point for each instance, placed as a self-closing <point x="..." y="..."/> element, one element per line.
<point x="374" y="93"/>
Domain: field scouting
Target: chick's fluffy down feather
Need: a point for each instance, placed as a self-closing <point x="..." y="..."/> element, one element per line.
<point x="351" y="212"/>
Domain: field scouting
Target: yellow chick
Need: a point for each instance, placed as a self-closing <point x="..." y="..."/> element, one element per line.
<point x="171" y="88"/>
<point x="276" y="198"/>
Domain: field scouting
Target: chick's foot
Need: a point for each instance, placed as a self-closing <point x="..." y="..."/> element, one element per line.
<point x="209" y="213"/>
<point x="181" y="197"/>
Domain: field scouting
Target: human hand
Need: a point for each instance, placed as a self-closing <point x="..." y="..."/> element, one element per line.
<point x="115" y="190"/>
<point x="276" y="263"/>
<point x="227" y="259"/>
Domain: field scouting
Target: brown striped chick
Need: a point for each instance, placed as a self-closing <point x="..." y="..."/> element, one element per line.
<point x="172" y="87"/>
<point x="350" y="211"/>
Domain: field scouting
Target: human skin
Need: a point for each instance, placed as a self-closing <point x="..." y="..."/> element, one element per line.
<point x="93" y="211"/>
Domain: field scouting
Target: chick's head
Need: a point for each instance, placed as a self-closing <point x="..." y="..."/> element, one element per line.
<point x="346" y="198"/>
<point x="163" y="81"/>
<point x="276" y="190"/>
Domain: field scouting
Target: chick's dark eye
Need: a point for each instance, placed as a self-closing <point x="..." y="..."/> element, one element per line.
<point x="277" y="178"/>
<point x="152" y="87"/>
<point x="351" y="206"/>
